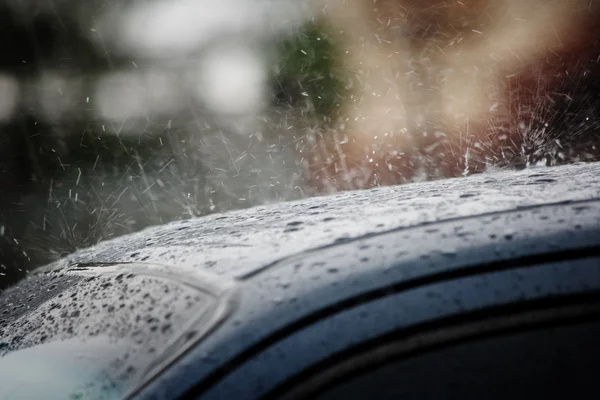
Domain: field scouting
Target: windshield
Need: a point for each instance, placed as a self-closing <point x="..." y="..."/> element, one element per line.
<point x="65" y="370"/>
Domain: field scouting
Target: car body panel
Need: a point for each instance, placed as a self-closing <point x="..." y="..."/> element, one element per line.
<point x="270" y="272"/>
<point x="237" y="243"/>
<point x="367" y="321"/>
<point x="299" y="291"/>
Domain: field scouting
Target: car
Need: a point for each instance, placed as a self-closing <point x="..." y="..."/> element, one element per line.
<point x="479" y="287"/>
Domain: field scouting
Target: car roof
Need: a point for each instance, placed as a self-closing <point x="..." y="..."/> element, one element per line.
<point x="260" y="271"/>
<point x="238" y="243"/>
<point x="296" y="292"/>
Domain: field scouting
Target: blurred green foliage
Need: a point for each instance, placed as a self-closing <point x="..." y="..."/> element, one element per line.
<point x="308" y="71"/>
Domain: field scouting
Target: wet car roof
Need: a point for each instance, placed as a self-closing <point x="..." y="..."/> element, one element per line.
<point x="252" y="274"/>
<point x="297" y="292"/>
<point x="237" y="243"/>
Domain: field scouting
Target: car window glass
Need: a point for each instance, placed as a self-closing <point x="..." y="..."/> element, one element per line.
<point x="551" y="363"/>
<point x="69" y="369"/>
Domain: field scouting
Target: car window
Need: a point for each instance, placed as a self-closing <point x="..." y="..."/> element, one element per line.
<point x="104" y="332"/>
<point x="553" y="362"/>
<point x="70" y="369"/>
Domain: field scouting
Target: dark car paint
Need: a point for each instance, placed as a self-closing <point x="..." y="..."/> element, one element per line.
<point x="295" y="306"/>
<point x="305" y="280"/>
